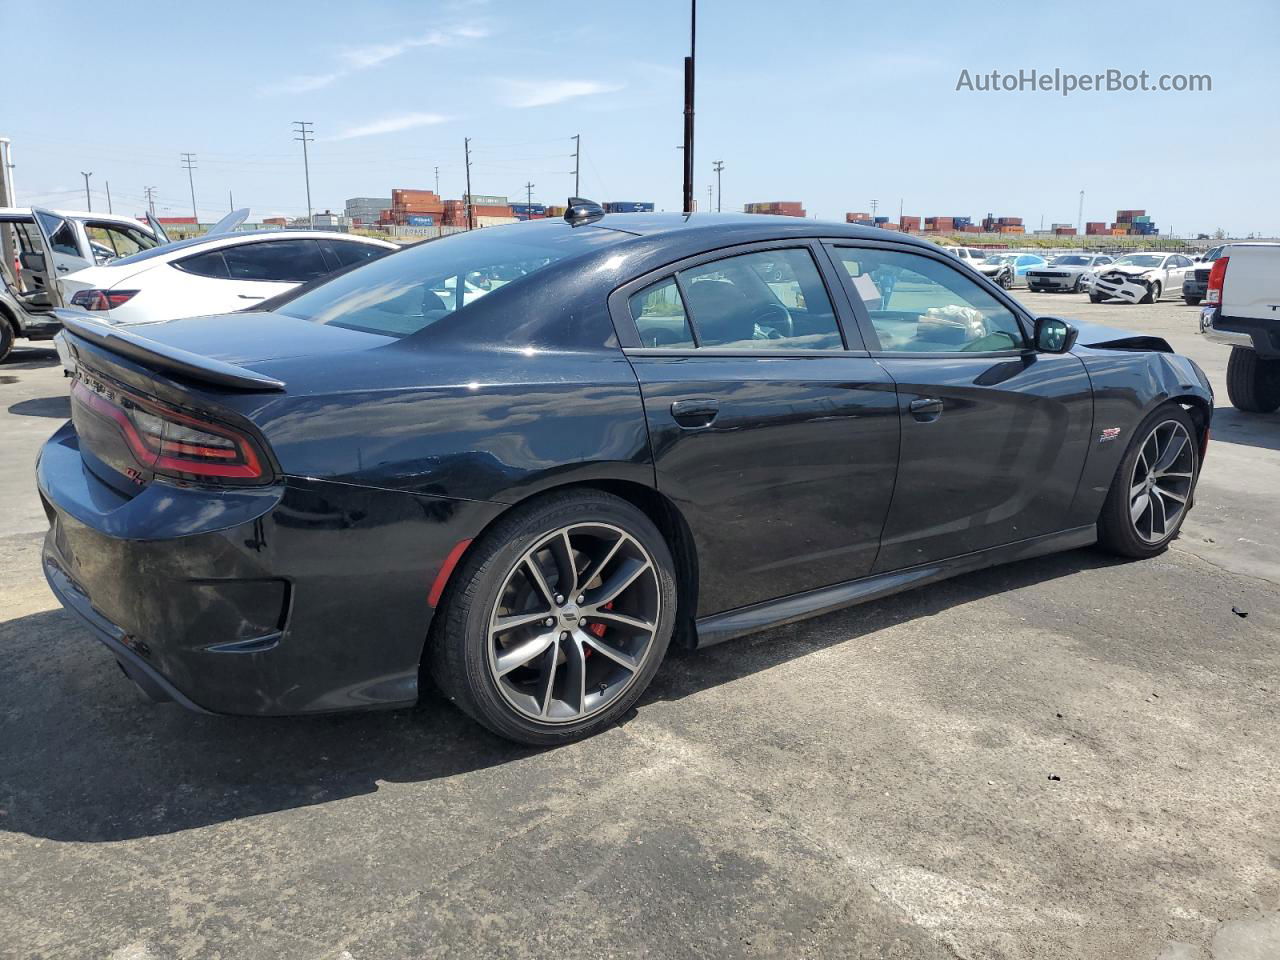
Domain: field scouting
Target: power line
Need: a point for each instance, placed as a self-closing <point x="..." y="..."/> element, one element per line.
<point x="189" y="161"/>
<point x="303" y="127"/>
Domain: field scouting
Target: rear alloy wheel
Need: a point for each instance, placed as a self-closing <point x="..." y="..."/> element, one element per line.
<point x="1253" y="383"/>
<point x="1153" y="486"/>
<point x="559" y="619"/>
<point x="1153" y="293"/>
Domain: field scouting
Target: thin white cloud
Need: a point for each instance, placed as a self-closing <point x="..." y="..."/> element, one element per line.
<point x="354" y="59"/>
<point x="542" y="93"/>
<point x="404" y="121"/>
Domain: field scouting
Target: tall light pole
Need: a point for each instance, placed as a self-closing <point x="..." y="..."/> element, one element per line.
<point x="1080" y="215"/>
<point x="466" y="147"/>
<point x="189" y="161"/>
<point x="303" y="128"/>
<point x="717" y="166"/>
<point x="577" y="162"/>
<point x="688" y="106"/>
<point x="437" y="181"/>
<point x="87" y="199"/>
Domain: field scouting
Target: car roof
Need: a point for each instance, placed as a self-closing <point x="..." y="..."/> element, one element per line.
<point x="707" y="226"/>
<point x="75" y="215"/>
<point x="232" y="239"/>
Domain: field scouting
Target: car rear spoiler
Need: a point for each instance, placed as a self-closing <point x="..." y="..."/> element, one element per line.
<point x="193" y="366"/>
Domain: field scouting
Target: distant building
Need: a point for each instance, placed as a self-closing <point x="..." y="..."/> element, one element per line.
<point x="329" y="220"/>
<point x="366" y="209"/>
<point x="784" y="208"/>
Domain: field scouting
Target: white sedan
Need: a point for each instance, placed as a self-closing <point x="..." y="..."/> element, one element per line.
<point x="219" y="274"/>
<point x="1138" y="277"/>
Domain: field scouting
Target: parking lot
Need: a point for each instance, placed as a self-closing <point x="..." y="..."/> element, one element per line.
<point x="1067" y="757"/>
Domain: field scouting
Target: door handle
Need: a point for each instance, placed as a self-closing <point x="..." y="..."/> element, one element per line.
<point x="926" y="409"/>
<point x="695" y="413"/>
<point x="62" y="268"/>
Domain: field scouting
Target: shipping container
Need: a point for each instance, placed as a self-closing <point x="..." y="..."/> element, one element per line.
<point x="628" y="206"/>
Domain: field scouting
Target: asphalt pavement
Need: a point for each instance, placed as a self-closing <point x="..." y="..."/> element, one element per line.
<point x="1070" y="757"/>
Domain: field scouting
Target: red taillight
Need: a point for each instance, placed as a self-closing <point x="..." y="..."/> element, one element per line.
<point x="102" y="299"/>
<point x="175" y="444"/>
<point x="1217" y="276"/>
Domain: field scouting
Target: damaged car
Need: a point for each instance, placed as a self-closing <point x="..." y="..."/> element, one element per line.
<point x="1065" y="274"/>
<point x="1139" y="277"/>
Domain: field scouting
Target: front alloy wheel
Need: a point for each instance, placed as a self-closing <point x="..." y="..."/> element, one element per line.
<point x="1153" y="485"/>
<point x="1160" y="484"/>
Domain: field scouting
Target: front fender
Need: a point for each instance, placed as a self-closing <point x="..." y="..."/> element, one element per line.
<point x="1127" y="386"/>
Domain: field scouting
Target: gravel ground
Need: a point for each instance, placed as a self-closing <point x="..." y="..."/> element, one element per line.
<point x="1070" y="757"/>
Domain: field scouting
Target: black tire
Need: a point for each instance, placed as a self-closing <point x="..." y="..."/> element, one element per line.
<point x="1253" y="384"/>
<point x="458" y="654"/>
<point x="1006" y="280"/>
<point x="1153" y="293"/>
<point x="1192" y="301"/>
<point x="1117" y="531"/>
<point x="1078" y="286"/>
<point x="1095" y="298"/>
<point x="7" y="336"/>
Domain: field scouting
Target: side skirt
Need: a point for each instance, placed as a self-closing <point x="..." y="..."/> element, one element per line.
<point x="774" y="613"/>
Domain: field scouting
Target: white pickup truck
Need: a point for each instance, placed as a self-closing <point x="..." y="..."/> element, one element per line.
<point x="1242" y="309"/>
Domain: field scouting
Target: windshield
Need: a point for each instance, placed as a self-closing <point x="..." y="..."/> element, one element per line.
<point x="1139" y="260"/>
<point x="402" y="294"/>
<point x="1070" y="261"/>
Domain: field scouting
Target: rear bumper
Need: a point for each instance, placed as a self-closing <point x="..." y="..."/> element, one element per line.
<point x="1261" y="336"/>
<point x="298" y="598"/>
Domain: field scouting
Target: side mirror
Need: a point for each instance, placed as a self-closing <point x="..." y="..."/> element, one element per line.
<point x="32" y="261"/>
<point x="1055" y="335"/>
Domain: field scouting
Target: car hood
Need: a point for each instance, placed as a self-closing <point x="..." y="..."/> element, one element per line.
<point x="247" y="338"/>
<point x="1101" y="337"/>
<point x="989" y="267"/>
<point x="1127" y="270"/>
<point x="1064" y="267"/>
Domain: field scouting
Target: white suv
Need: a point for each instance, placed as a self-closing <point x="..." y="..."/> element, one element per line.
<point x="1243" y="310"/>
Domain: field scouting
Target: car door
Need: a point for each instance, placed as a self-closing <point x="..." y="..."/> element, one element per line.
<point x="994" y="434"/>
<point x="777" y="442"/>
<point x="62" y="254"/>
<point x="1177" y="271"/>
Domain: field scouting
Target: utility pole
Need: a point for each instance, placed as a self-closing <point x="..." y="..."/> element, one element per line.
<point x="7" y="198"/>
<point x="1080" y="215"/>
<point x="466" y="147"/>
<point x="528" y="210"/>
<point x="231" y="200"/>
<point x="107" y="183"/>
<point x="708" y="198"/>
<point x="87" y="199"/>
<point x="189" y="161"/>
<point x="577" y="161"/>
<point x="150" y="193"/>
<point x="437" y="181"/>
<point x="899" y="213"/>
<point x="688" y="106"/>
<point x="717" y="166"/>
<point x="303" y="127"/>
<point x="875" y="205"/>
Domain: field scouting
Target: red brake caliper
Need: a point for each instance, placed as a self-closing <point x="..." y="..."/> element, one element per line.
<point x="597" y="629"/>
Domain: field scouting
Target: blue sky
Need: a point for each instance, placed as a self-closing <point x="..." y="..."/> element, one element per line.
<point x="832" y="104"/>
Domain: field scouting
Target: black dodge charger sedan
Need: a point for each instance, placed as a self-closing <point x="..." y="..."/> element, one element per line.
<point x="518" y="462"/>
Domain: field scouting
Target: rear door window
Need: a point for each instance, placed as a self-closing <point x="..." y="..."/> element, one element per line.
<point x="279" y="261"/>
<point x="658" y="311"/>
<point x="768" y="300"/>
<point x="209" y="264"/>
<point x="348" y="252"/>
